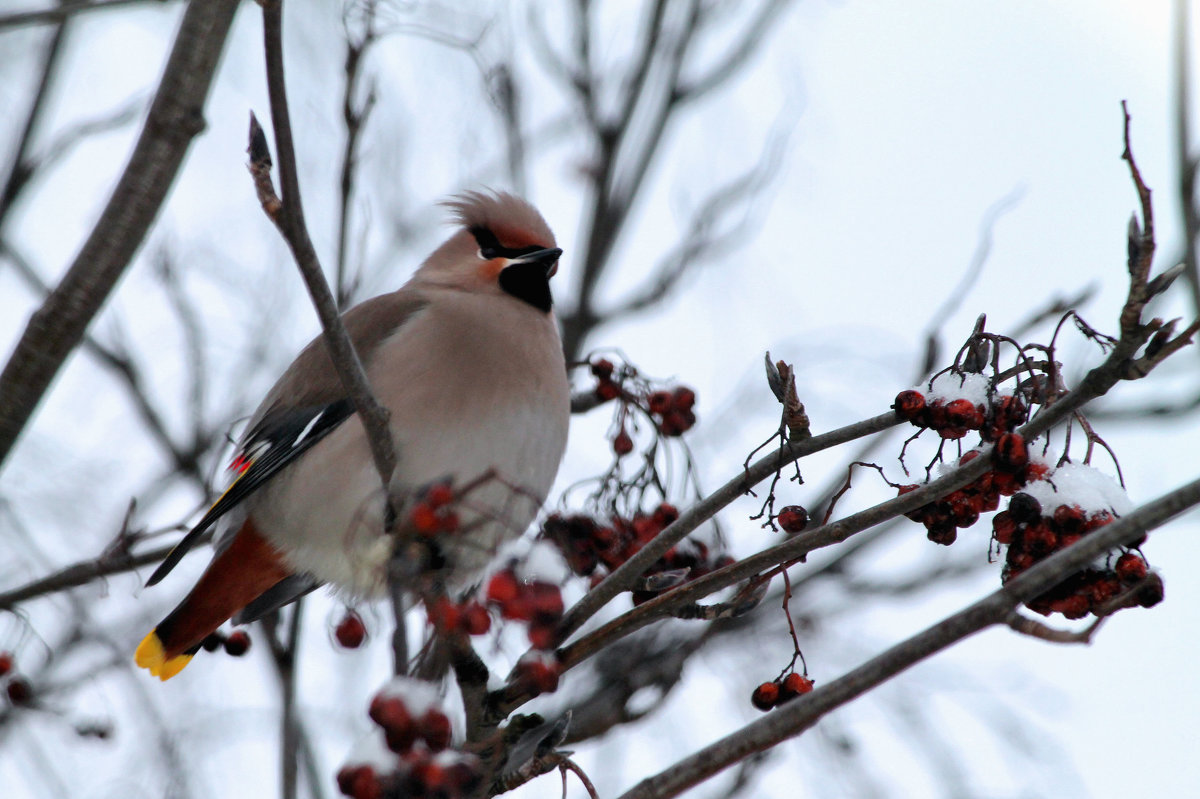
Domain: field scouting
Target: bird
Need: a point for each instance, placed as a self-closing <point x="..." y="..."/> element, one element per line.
<point x="466" y="358"/>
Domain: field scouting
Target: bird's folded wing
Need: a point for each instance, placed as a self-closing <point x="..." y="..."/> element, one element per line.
<point x="277" y="440"/>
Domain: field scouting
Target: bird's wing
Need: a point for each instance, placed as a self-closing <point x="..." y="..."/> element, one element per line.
<point x="306" y="404"/>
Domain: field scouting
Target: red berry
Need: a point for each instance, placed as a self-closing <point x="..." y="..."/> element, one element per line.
<point x="439" y="494"/>
<point x="1130" y="567"/>
<point x="1068" y="518"/>
<point x="237" y="643"/>
<point x="684" y="399"/>
<point x="443" y="614"/>
<point x="213" y="641"/>
<point x="1003" y="527"/>
<point x="350" y="631"/>
<point x="793" y="686"/>
<point x="19" y="690"/>
<point x="622" y="444"/>
<point x="951" y="433"/>
<point x="359" y="782"/>
<point x="659" y="402"/>
<point x="6" y="663"/>
<point x="1075" y="606"/>
<point x="1039" y="539"/>
<point x="541" y="636"/>
<point x="503" y="587"/>
<point x="545" y="599"/>
<point x="943" y="533"/>
<point x="1151" y="593"/>
<point x="909" y="405"/>
<point x="1010" y="452"/>
<point x="390" y="713"/>
<point x="538" y="675"/>
<point x="765" y="696"/>
<point x="424" y="518"/>
<point x="602" y="368"/>
<point x="475" y="619"/>
<point x="961" y="412"/>
<point x="607" y="390"/>
<point x="792" y="519"/>
<point x="665" y="514"/>
<point x="434" y="727"/>
<point x="1097" y="520"/>
<point x="1024" y="509"/>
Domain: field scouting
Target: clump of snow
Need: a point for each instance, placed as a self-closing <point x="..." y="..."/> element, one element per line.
<point x="950" y="386"/>
<point x="1078" y="484"/>
<point x="371" y="750"/>
<point x="543" y="562"/>
<point x="418" y="696"/>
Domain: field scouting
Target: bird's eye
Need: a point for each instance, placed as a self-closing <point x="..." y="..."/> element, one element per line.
<point x="486" y="253"/>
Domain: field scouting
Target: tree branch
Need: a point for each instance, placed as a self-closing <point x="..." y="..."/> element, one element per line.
<point x="796" y="717"/>
<point x="174" y="119"/>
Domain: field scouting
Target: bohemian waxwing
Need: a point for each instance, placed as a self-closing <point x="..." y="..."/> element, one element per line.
<point x="466" y="356"/>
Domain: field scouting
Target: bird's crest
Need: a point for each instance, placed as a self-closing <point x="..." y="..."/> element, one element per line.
<point x="514" y="222"/>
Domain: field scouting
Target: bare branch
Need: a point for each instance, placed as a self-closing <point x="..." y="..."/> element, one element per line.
<point x="175" y="117"/>
<point x="796" y="717"/>
<point x="64" y="11"/>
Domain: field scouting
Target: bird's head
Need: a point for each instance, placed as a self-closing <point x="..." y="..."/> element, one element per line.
<point x="503" y="246"/>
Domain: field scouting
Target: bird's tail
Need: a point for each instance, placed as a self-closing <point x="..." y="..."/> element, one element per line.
<point x="238" y="575"/>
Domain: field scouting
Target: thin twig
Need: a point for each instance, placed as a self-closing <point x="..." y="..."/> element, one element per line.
<point x="290" y="221"/>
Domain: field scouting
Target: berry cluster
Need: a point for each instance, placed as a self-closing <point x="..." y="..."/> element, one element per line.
<point x="18" y="689"/>
<point x="606" y="388"/>
<point x="533" y="601"/>
<point x="774" y="694"/>
<point x="469" y="617"/>
<point x="672" y="410"/>
<point x="953" y="419"/>
<point x="962" y="508"/>
<point x="589" y="545"/>
<point x="1032" y="535"/>
<point x="236" y="644"/>
<point x="418" y="733"/>
<point x="403" y="726"/>
<point x="350" y="632"/>
<point x="432" y="514"/>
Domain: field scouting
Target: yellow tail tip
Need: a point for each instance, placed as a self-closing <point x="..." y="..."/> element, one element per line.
<point x="151" y="656"/>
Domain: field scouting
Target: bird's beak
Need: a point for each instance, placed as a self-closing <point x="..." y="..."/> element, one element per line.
<point x="546" y="259"/>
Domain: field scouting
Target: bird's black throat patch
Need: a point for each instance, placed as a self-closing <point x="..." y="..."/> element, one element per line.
<point x="528" y="282"/>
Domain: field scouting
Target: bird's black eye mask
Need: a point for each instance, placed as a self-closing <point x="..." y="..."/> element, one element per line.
<point x="490" y="246"/>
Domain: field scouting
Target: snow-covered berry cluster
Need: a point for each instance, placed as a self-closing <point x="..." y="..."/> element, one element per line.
<point x="775" y="693"/>
<point x="592" y="548"/>
<point x="957" y="404"/>
<point x="418" y="761"/>
<point x="1052" y="514"/>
